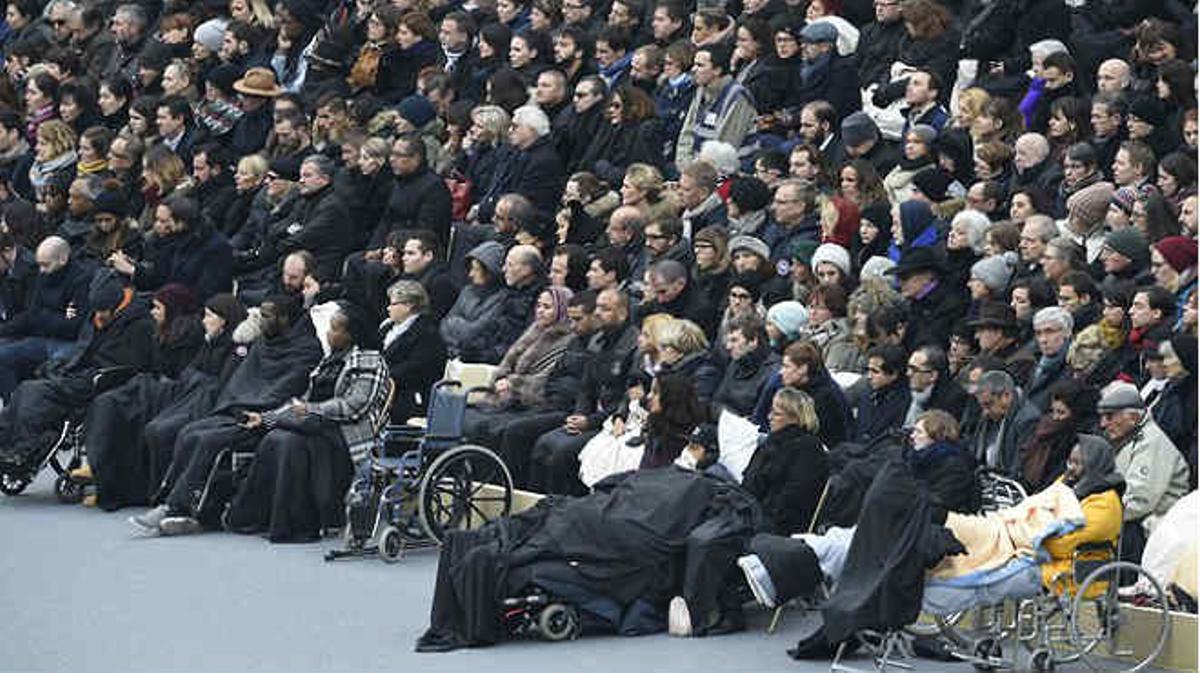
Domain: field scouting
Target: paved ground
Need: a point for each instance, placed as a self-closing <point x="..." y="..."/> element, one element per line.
<point x="82" y="594"/>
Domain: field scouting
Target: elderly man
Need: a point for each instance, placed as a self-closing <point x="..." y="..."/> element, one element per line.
<point x="1034" y="166"/>
<point x="721" y="109"/>
<point x="1113" y="76"/>
<point x="317" y="221"/>
<point x="930" y="385"/>
<point x="525" y="277"/>
<point x="1156" y="473"/>
<point x="1052" y="330"/>
<point x="933" y="304"/>
<point x="998" y="334"/>
<point x="54" y="310"/>
<point x="702" y="206"/>
<point x="1036" y="232"/>
<point x="1006" y="421"/>
<point x="536" y="171"/>
<point x="794" y="218"/>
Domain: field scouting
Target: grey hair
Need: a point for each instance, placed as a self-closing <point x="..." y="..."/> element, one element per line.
<point x="996" y="382"/>
<point x="1054" y="314"/>
<point x="409" y="292"/>
<point x="977" y="225"/>
<point x="721" y="155"/>
<point x="1043" y="226"/>
<point x="134" y="13"/>
<point x="322" y="163"/>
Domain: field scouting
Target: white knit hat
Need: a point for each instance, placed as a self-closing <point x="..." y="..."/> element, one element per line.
<point x="834" y="254"/>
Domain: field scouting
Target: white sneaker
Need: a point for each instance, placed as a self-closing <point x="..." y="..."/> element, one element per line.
<point x="679" y="619"/>
<point x="758" y="579"/>
<point x="150" y="521"/>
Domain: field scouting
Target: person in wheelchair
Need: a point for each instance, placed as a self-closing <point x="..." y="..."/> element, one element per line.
<point x="118" y="336"/>
<point x="275" y="371"/>
<point x="302" y="466"/>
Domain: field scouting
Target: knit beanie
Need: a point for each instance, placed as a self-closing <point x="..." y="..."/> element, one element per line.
<point x="1090" y="203"/>
<point x="834" y="254"/>
<point x="228" y="307"/>
<point x="417" y="110"/>
<point x="925" y="133"/>
<point x="1130" y="242"/>
<point x="858" y="128"/>
<point x="750" y="282"/>
<point x="1124" y="198"/>
<point x="106" y="291"/>
<point x="933" y="183"/>
<point x="996" y="271"/>
<point x="876" y="267"/>
<point x="790" y="317"/>
<point x="750" y="244"/>
<point x="1179" y="251"/>
<point x="210" y="34"/>
<point x="802" y="251"/>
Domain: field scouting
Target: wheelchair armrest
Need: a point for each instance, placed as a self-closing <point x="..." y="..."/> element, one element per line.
<point x="112" y="377"/>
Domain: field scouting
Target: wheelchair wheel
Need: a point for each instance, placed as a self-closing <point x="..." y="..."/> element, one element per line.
<point x="1098" y="619"/>
<point x="12" y="482"/>
<point x="69" y="491"/>
<point x="391" y="544"/>
<point x="928" y="625"/>
<point x="987" y="650"/>
<point x="558" y="622"/>
<point x="465" y="487"/>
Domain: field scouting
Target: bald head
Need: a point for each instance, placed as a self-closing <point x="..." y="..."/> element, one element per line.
<point x="1112" y="76"/>
<point x="625" y="224"/>
<point x="522" y="265"/>
<point x="52" y="254"/>
<point x="1030" y="150"/>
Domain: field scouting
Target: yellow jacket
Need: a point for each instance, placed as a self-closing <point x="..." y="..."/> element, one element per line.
<point x="1102" y="522"/>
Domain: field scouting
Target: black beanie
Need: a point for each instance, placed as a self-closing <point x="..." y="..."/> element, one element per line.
<point x="107" y="290"/>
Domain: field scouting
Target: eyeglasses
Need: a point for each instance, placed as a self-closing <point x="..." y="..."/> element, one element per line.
<point x="917" y="370"/>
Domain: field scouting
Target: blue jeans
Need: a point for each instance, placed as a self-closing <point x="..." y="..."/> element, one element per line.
<point x="20" y="358"/>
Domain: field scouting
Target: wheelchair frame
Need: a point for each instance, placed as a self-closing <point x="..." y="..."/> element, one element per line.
<point x="435" y="486"/>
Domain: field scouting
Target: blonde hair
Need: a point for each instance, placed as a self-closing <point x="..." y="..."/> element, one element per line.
<point x="254" y="164"/>
<point x="974" y="99"/>
<point x="56" y="136"/>
<point x="798" y="406"/>
<point x="653" y="326"/>
<point x="376" y="148"/>
<point x="646" y="178"/>
<point x="494" y="121"/>
<point x="684" y="336"/>
<point x="939" y="425"/>
<point x="163" y="168"/>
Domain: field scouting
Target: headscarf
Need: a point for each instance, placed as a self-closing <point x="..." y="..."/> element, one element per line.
<point x="561" y="297"/>
<point x="847" y="223"/>
<point x="1099" y="468"/>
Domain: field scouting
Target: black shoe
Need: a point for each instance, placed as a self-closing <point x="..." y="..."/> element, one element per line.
<point x="732" y="621"/>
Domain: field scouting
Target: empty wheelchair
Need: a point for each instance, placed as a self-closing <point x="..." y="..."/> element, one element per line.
<point x="63" y="450"/>
<point x="422" y="483"/>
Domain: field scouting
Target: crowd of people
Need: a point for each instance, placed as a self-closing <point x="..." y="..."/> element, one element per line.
<point x="968" y="228"/>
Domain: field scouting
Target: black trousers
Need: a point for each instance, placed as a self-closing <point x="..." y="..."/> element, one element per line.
<point x="196" y="450"/>
<point x="554" y="463"/>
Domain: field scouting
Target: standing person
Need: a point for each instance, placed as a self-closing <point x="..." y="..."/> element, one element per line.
<point x="721" y="108"/>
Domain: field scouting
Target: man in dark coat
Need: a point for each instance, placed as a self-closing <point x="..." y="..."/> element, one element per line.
<point x="1006" y="422"/>
<point x="525" y="278"/>
<point x="883" y="408"/>
<point x="181" y="250"/>
<point x="751" y="363"/>
<point x="215" y="191"/>
<point x="419" y="198"/>
<point x="554" y="462"/>
<point x="119" y="335"/>
<point x="933" y="305"/>
<point x="879" y="44"/>
<point x="275" y="370"/>
<point x="825" y="75"/>
<point x="18" y="271"/>
<point x="52" y="311"/>
<point x="997" y="330"/>
<point x="930" y="385"/>
<point x="675" y="294"/>
<point x="535" y="172"/>
<point x="317" y="222"/>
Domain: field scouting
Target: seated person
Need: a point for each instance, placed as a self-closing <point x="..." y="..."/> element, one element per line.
<point x="52" y="312"/>
<point x="118" y="335"/>
<point x="519" y="381"/>
<point x="302" y="467"/>
<point x="751" y="363"/>
<point x="788" y="471"/>
<point x="939" y="461"/>
<point x="180" y="250"/>
<point x="1072" y="411"/>
<point x="124" y="425"/>
<point x="673" y="412"/>
<point x="469" y="327"/>
<point x="415" y="354"/>
<point x="275" y="370"/>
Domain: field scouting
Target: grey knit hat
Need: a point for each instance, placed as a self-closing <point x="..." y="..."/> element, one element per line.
<point x="750" y="244"/>
<point x="996" y="271"/>
<point x="1130" y="242"/>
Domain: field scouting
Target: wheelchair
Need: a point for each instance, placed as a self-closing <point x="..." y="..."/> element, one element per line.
<point x="423" y="482"/>
<point x="63" y="451"/>
<point x="539" y="616"/>
<point x="1078" y="618"/>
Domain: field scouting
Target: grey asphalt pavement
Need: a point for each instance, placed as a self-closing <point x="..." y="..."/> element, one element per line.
<point x="82" y="593"/>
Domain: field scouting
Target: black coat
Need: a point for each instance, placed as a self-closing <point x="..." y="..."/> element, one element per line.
<point x="787" y="474"/>
<point x="614" y="352"/>
<point x="837" y="84"/>
<point x="691" y="305"/>
<point x="1003" y="30"/>
<point x="216" y="198"/>
<point x="416" y="360"/>
<point x="367" y="195"/>
<point x="744" y="381"/>
<point x="46" y="301"/>
<point x="419" y="201"/>
<point x="948" y="473"/>
<point x="882" y="411"/>
<point x="930" y="318"/>
<point x="16" y="284"/>
<point x="202" y="260"/>
<point x="317" y="223"/>
<point x="274" y="371"/>
<point x="514" y="316"/>
<point x="878" y="48"/>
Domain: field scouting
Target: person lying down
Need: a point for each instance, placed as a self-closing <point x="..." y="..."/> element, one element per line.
<point x="1020" y="548"/>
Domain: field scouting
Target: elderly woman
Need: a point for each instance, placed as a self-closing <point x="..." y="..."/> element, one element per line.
<point x="413" y="349"/>
<point x="302" y="467"/>
<point x="788" y="472"/>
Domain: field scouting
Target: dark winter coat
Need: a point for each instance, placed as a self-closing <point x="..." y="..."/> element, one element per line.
<point x="416" y="360"/>
<point x="45" y="305"/>
<point x="882" y="411"/>
<point x="201" y="260"/>
<point x="744" y="381"/>
<point x="419" y="201"/>
<point x="787" y="474"/>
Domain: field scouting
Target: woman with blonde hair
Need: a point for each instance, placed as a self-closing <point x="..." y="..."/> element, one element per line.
<point x="642" y="188"/>
<point x="162" y="172"/>
<point x="970" y="105"/>
<point x="54" y="158"/>
<point x="249" y="179"/>
<point x="683" y="349"/>
<point x="482" y="146"/>
<point x="788" y="472"/>
<point x="254" y="12"/>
